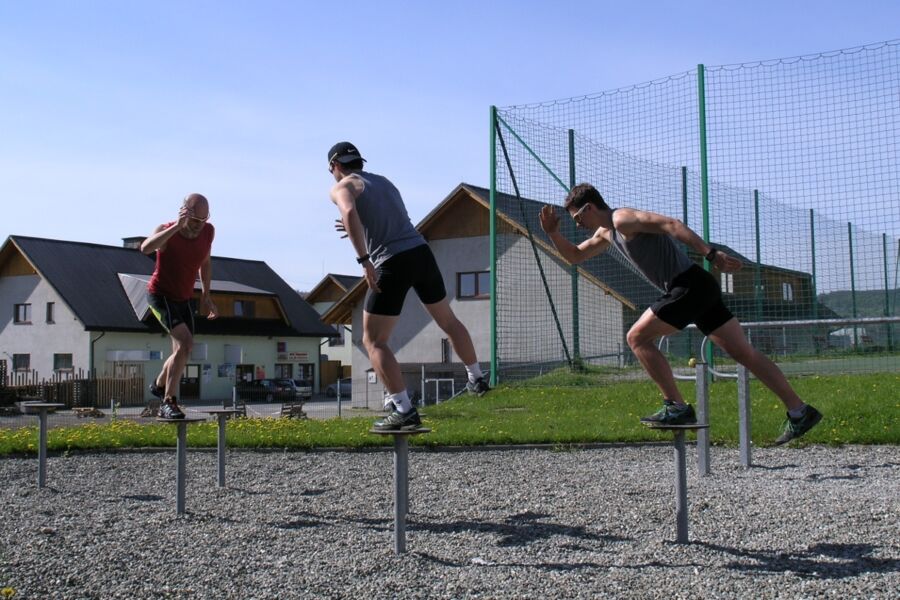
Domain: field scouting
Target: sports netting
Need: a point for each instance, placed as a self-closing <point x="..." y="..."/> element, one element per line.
<point x="791" y="165"/>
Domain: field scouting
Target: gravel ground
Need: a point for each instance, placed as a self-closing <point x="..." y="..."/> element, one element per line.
<point x="526" y="523"/>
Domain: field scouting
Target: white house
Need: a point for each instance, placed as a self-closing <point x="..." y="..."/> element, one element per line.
<point x="69" y="307"/>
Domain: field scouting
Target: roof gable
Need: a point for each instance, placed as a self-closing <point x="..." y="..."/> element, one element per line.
<point x="87" y="277"/>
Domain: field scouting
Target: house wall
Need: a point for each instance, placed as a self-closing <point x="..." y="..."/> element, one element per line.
<point x="216" y="380"/>
<point x="344" y="352"/>
<point x="40" y="339"/>
<point x="417" y="339"/>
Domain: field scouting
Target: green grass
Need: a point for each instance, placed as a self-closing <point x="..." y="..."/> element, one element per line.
<point x="577" y="408"/>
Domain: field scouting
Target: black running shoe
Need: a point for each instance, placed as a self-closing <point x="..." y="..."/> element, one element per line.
<point x="479" y="387"/>
<point x="672" y="414"/>
<point x="169" y="410"/>
<point x="398" y="421"/>
<point x="794" y="428"/>
<point x="157" y="391"/>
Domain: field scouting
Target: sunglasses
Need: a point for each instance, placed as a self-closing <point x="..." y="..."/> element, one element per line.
<point x="198" y="221"/>
<point x="577" y="216"/>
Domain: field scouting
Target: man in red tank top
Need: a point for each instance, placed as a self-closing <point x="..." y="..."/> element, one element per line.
<point x="183" y="249"/>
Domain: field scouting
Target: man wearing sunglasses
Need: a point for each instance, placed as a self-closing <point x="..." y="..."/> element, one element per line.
<point x="394" y="257"/>
<point x="183" y="249"/>
<point x="690" y="295"/>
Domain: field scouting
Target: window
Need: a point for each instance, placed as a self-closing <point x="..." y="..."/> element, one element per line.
<point x="22" y="314"/>
<point x="727" y="283"/>
<point x="245" y="308"/>
<point x="787" y="291"/>
<point x="62" y="362"/>
<point x="473" y="285"/>
<point x="21" y="362"/>
<point x="50" y="307"/>
<point x="284" y="371"/>
<point x="339" y="340"/>
<point x="446" y="351"/>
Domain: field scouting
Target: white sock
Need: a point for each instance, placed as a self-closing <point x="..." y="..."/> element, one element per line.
<point x="474" y="371"/>
<point x="387" y="402"/>
<point x="401" y="401"/>
<point x="797" y="413"/>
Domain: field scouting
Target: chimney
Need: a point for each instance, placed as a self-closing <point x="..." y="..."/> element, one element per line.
<point x="133" y="242"/>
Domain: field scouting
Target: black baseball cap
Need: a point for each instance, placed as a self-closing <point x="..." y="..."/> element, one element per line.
<point x="344" y="152"/>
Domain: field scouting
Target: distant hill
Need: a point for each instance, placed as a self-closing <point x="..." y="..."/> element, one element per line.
<point x="868" y="304"/>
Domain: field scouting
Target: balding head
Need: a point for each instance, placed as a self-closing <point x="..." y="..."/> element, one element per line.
<point x="198" y="204"/>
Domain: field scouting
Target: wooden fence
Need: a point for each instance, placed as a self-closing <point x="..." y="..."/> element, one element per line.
<point x="76" y="389"/>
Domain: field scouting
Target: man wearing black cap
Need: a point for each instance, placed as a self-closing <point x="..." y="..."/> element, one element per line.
<point x="395" y="257"/>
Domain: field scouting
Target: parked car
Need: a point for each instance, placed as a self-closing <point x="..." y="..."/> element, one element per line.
<point x="346" y="388"/>
<point x="267" y="390"/>
<point x="304" y="388"/>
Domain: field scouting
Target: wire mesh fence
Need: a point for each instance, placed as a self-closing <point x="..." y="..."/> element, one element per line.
<point x="789" y="165"/>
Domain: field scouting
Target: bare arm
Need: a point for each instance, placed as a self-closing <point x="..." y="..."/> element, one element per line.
<point x="162" y="234"/>
<point x="344" y="194"/>
<point x="630" y="222"/>
<point x="205" y="281"/>
<point x="591" y="247"/>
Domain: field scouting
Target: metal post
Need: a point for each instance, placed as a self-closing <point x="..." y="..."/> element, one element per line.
<point x="220" y="450"/>
<point x="42" y="447"/>
<point x="743" y="384"/>
<point x="681" y="504"/>
<point x="852" y="284"/>
<point x="812" y="236"/>
<point x="401" y="491"/>
<point x="887" y="296"/>
<point x="182" y="464"/>
<point x="573" y="269"/>
<point x="703" y="418"/>
<point x="704" y="174"/>
<point x="492" y="227"/>
<point x="757" y="275"/>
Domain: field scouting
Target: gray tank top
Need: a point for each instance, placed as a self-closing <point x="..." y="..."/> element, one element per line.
<point x="386" y="223"/>
<point x="657" y="256"/>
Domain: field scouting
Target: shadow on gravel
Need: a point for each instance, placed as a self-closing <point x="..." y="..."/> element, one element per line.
<point x="518" y="530"/>
<point x="821" y="561"/>
<point x="143" y="497"/>
<point x="302" y="522"/>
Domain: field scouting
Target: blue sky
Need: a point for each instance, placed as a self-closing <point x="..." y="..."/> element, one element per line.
<point x="110" y="112"/>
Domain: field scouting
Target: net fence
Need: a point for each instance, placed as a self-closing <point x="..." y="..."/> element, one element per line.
<point x="790" y="165"/>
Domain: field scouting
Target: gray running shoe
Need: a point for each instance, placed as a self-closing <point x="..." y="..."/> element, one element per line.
<point x="398" y="421"/>
<point x="169" y="410"/>
<point x="794" y="428"/>
<point x="672" y="414"/>
<point x="479" y="387"/>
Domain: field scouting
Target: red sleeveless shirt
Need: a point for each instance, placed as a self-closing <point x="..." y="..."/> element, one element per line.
<point x="178" y="263"/>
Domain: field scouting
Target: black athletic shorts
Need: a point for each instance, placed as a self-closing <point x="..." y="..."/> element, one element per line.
<point x="694" y="296"/>
<point x="171" y="313"/>
<point x="414" y="268"/>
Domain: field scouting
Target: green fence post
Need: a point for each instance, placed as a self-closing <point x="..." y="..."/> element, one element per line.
<point x="812" y="236"/>
<point x="493" y="244"/>
<point x="757" y="276"/>
<point x="887" y="294"/>
<point x="704" y="172"/>
<point x="576" y="337"/>
<point x="852" y="284"/>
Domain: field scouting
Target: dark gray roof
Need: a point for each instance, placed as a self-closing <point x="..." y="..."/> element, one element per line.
<point x="611" y="267"/>
<point x="347" y="281"/>
<point x="86" y="276"/>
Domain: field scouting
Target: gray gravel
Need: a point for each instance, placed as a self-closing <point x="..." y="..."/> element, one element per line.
<point x="529" y="523"/>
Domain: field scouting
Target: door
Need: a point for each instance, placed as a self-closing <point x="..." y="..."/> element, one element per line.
<point x="190" y="383"/>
